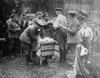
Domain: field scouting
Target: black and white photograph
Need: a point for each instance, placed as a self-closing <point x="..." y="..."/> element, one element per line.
<point x="49" y="39"/>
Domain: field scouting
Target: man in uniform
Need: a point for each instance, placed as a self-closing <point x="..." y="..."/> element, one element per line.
<point x="30" y="36"/>
<point x="13" y="34"/>
<point x="73" y="37"/>
<point x="60" y="34"/>
<point x="23" y="22"/>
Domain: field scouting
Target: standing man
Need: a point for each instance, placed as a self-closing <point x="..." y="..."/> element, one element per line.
<point x="61" y="33"/>
<point x="86" y="32"/>
<point x="87" y="36"/>
<point x="13" y="34"/>
<point x="73" y="37"/>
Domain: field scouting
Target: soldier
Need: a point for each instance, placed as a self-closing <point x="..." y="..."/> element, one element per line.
<point x="13" y="34"/>
<point x="30" y="36"/>
<point x="61" y="34"/>
<point x="23" y="22"/>
<point x="73" y="37"/>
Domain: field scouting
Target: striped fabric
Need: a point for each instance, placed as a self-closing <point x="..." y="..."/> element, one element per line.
<point x="49" y="48"/>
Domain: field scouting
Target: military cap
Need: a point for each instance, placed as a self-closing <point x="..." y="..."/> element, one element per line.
<point x="83" y="13"/>
<point x="58" y="9"/>
<point x="39" y="13"/>
<point x="72" y="13"/>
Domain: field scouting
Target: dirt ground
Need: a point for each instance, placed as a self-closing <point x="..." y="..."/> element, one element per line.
<point x="16" y="68"/>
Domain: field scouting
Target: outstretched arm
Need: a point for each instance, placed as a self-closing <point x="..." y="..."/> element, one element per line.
<point x="71" y="30"/>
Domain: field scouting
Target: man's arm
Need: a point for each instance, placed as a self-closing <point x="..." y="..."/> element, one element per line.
<point x="91" y="33"/>
<point x="71" y="30"/>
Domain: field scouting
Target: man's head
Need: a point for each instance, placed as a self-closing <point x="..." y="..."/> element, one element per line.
<point x="23" y="15"/>
<point x="14" y="11"/>
<point x="30" y="17"/>
<point x="72" y="14"/>
<point x="58" y="11"/>
<point x="39" y="24"/>
<point x="45" y="17"/>
<point x="81" y="19"/>
<point x="84" y="25"/>
<point x="82" y="15"/>
<point x="39" y="14"/>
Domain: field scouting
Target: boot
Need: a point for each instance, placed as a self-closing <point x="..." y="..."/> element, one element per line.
<point x="61" y="55"/>
<point x="28" y="60"/>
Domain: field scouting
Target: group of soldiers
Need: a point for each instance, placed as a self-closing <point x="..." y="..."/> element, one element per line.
<point x="69" y="31"/>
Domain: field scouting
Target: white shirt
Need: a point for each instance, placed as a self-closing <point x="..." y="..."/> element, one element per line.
<point x="61" y="20"/>
<point x="86" y="32"/>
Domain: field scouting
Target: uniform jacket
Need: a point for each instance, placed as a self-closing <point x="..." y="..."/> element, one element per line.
<point x="60" y="21"/>
<point x="30" y="34"/>
<point x="73" y="33"/>
<point x="23" y="23"/>
<point x="13" y="29"/>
